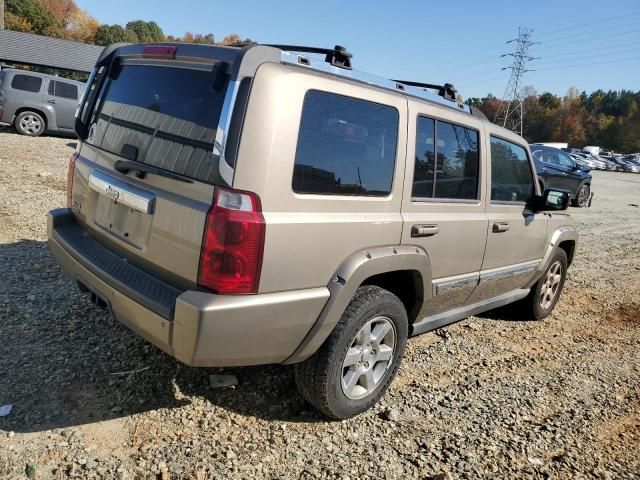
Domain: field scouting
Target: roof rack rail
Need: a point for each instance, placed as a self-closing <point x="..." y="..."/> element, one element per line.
<point x="446" y="91"/>
<point x="337" y="56"/>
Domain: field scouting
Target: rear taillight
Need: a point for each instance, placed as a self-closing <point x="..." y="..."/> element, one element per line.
<point x="70" y="171"/>
<point x="233" y="243"/>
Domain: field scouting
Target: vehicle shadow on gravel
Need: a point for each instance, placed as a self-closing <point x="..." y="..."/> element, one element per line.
<point x="63" y="361"/>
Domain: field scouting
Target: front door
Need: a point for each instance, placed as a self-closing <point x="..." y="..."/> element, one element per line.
<point x="443" y="205"/>
<point x="516" y="235"/>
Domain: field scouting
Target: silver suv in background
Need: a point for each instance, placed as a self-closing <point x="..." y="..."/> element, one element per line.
<point x="35" y="102"/>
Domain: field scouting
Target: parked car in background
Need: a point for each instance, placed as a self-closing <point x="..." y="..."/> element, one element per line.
<point x="557" y="170"/>
<point x="35" y="102"/>
<point x="581" y="162"/>
<point x="592" y="161"/>
<point x="625" y="165"/>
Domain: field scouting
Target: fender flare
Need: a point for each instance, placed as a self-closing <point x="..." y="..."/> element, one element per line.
<point x="558" y="236"/>
<point x="349" y="276"/>
<point x="47" y="110"/>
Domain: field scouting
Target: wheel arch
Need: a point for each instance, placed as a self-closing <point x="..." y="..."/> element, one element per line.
<point x="394" y="268"/>
<point x="564" y="237"/>
<point x="45" y="113"/>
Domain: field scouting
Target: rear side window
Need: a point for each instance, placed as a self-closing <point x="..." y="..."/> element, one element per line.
<point x="162" y="116"/>
<point x="511" y="176"/>
<point x="26" y="83"/>
<point x="447" y="161"/>
<point x="346" y="146"/>
<point x="63" y="90"/>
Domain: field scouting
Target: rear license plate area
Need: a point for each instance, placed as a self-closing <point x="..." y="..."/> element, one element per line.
<point x="122" y="221"/>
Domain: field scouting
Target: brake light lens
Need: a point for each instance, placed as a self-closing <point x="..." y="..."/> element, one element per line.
<point x="70" y="172"/>
<point x="233" y="243"/>
<point x="159" y="51"/>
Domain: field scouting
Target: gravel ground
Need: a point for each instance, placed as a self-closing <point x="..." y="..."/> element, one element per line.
<point x="485" y="398"/>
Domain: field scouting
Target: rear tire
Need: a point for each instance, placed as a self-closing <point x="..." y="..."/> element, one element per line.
<point x="581" y="199"/>
<point x="358" y="361"/>
<point x="546" y="292"/>
<point x="30" y="123"/>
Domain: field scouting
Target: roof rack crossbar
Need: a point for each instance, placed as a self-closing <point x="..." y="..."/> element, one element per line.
<point x="446" y="91"/>
<point x="337" y="56"/>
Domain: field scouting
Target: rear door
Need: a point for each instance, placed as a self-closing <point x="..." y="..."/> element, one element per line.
<point x="161" y="114"/>
<point x="516" y="235"/>
<point x="443" y="204"/>
<point x="63" y="96"/>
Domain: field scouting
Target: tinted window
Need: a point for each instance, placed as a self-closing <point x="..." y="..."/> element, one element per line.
<point x="448" y="166"/>
<point x="345" y="146"/>
<point x="165" y="117"/>
<point x="457" y="162"/>
<point x="64" y="90"/>
<point x="424" y="170"/>
<point x="511" y="176"/>
<point x="552" y="156"/>
<point x="26" y="83"/>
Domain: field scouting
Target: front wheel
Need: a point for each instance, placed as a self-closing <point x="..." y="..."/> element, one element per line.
<point x="582" y="197"/>
<point x="546" y="292"/>
<point x="358" y="361"/>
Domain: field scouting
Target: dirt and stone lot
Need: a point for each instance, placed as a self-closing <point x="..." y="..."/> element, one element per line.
<point x="485" y="398"/>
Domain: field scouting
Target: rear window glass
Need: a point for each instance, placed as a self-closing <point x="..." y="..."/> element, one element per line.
<point x="346" y="146"/>
<point x="26" y="83"/>
<point x="63" y="90"/>
<point x="162" y="116"/>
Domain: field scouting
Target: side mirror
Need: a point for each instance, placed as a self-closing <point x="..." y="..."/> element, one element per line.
<point x="552" y="200"/>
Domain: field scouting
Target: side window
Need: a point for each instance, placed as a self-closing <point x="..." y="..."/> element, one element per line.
<point x="511" y="176"/>
<point x="446" y="167"/>
<point x="63" y="90"/>
<point x="66" y="90"/>
<point x="26" y="83"/>
<point x="346" y="146"/>
<point x="425" y="166"/>
<point x="565" y="160"/>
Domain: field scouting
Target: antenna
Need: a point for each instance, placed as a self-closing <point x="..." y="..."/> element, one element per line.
<point x="511" y="113"/>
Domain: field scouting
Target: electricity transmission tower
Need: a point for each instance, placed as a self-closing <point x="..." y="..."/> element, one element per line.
<point x="511" y="114"/>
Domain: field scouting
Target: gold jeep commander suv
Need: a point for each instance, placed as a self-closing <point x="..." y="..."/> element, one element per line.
<point x="254" y="205"/>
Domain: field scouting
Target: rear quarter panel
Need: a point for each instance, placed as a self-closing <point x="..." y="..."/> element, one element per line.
<point x="309" y="236"/>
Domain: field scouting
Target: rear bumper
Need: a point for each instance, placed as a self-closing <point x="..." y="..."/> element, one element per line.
<point x="197" y="328"/>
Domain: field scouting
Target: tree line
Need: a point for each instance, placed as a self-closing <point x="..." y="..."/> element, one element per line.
<point x="609" y="119"/>
<point x="64" y="19"/>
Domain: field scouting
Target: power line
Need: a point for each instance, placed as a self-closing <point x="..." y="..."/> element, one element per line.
<point x="586" y="57"/>
<point x="616" y="29"/>
<point x="574" y="52"/>
<point x="511" y="115"/>
<point x="604" y="20"/>
<point x="587" y="40"/>
<point x="587" y="64"/>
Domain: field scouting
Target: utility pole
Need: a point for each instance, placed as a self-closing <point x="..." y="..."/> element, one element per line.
<point x="511" y="113"/>
<point x="1" y="14"/>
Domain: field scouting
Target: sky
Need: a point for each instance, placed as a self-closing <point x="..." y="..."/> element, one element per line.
<point x="586" y="44"/>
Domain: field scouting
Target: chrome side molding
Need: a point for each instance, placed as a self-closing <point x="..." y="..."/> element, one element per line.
<point x="122" y="192"/>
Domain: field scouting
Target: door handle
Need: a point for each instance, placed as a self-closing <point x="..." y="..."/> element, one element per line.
<point x="424" y="230"/>
<point x="51" y="101"/>
<point x="501" y="227"/>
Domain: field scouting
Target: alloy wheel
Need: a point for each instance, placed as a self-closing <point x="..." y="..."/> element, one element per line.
<point x="551" y="285"/>
<point x="368" y="358"/>
<point x="30" y="124"/>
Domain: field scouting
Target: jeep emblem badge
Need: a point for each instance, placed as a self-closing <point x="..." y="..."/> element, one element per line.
<point x="112" y="193"/>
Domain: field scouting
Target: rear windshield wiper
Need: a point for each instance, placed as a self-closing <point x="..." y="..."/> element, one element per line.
<point x="141" y="169"/>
